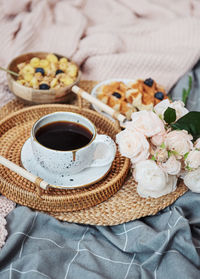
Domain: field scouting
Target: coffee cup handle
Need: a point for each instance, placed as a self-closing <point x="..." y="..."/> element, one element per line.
<point x="108" y="151"/>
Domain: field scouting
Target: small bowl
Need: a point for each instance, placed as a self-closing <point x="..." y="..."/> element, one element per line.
<point x="38" y="96"/>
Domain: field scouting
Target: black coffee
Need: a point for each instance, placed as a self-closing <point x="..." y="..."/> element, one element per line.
<point x="63" y="135"/>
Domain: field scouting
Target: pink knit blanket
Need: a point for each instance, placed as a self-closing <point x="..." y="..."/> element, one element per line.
<point x="107" y="38"/>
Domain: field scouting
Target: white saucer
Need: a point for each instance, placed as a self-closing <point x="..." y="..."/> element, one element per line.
<point x="81" y="179"/>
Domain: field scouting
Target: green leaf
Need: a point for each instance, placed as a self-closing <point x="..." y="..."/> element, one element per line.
<point x="185" y="156"/>
<point x="184" y="95"/>
<point x="153" y="158"/>
<point x="170" y="115"/>
<point x="162" y="145"/>
<point x="186" y="92"/>
<point x="189" y="122"/>
<point x="190" y="82"/>
<point x="174" y="152"/>
<point x="169" y="153"/>
<point x="188" y="168"/>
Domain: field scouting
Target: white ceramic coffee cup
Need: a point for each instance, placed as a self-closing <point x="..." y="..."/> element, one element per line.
<point x="73" y="161"/>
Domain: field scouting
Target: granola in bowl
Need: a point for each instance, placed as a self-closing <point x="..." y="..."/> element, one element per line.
<point x="50" y="72"/>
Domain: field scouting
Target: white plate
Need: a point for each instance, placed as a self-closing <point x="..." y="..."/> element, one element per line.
<point x="81" y="179"/>
<point x="105" y="82"/>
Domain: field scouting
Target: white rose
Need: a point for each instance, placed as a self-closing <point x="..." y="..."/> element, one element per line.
<point x="193" y="159"/>
<point x="161" y="154"/>
<point x="144" y="155"/>
<point x="179" y="107"/>
<point x="146" y="122"/>
<point x="179" y="141"/>
<point x="158" y="139"/>
<point x="171" y="183"/>
<point x="152" y="180"/>
<point x="197" y="143"/>
<point x="133" y="145"/>
<point x="192" y="180"/>
<point x="172" y="166"/>
<point x="161" y="107"/>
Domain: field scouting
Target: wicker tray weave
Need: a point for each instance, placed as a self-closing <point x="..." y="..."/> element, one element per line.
<point x="15" y="130"/>
<point x="106" y="205"/>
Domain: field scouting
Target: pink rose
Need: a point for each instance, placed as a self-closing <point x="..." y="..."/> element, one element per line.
<point x="146" y="122"/>
<point x="193" y="159"/>
<point x="161" y="154"/>
<point x="179" y="141"/>
<point x="197" y="143"/>
<point x="159" y="138"/>
<point x="133" y="145"/>
<point x="172" y="166"/>
<point x="179" y="107"/>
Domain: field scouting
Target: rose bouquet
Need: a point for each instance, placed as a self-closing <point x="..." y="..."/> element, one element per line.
<point x="163" y="145"/>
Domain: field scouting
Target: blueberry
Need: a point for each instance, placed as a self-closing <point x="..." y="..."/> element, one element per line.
<point x="148" y="82"/>
<point x="44" y="86"/>
<point x="159" y="95"/>
<point x="59" y="72"/>
<point x="117" y="95"/>
<point x="39" y="70"/>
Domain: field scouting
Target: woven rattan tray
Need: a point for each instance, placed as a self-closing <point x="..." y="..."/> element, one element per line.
<point x="15" y="130"/>
<point x="123" y="205"/>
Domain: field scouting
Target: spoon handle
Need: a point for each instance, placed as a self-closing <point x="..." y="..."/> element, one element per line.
<point x="17" y="169"/>
<point x="98" y="103"/>
<point x="9" y="71"/>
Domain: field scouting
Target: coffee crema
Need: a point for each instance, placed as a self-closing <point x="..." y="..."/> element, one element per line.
<point x="63" y="135"/>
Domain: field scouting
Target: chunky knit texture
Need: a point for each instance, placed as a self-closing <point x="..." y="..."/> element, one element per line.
<point x="5" y="207"/>
<point x="107" y="38"/>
